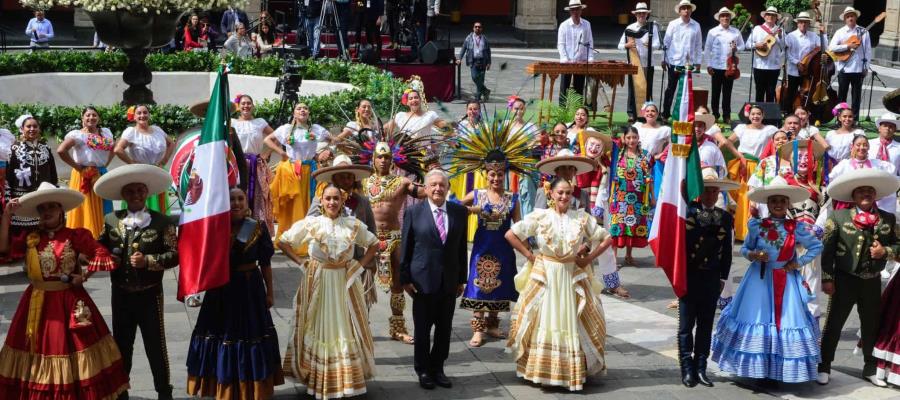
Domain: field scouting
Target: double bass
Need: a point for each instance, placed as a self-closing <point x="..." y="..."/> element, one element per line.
<point x="817" y="69"/>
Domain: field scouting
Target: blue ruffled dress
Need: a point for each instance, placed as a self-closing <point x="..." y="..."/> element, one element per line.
<point x="490" y="286"/>
<point x="748" y="342"/>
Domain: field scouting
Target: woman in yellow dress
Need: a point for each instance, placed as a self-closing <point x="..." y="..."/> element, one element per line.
<point x="293" y="188"/>
<point x="558" y="330"/>
<point x="91" y="151"/>
<point x="331" y="351"/>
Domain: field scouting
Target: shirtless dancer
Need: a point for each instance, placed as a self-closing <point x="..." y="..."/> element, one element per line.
<point x="387" y="194"/>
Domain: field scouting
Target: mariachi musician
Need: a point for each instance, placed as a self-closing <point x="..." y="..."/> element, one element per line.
<point x="639" y="36"/>
<point x="766" y="68"/>
<point x="802" y="44"/>
<point x="721" y="42"/>
<point x="851" y="71"/>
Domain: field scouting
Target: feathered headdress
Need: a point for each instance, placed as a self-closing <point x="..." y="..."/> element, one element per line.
<point x="493" y="145"/>
<point x="406" y="152"/>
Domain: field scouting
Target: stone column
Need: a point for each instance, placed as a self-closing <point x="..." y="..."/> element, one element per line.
<point x="888" y="50"/>
<point x="832" y="10"/>
<point x="83" y="27"/>
<point x="536" y="22"/>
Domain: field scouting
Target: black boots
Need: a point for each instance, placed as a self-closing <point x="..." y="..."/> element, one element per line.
<point x="688" y="373"/>
<point x="701" y="372"/>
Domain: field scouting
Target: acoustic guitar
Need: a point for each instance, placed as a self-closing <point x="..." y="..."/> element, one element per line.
<point x="854" y="39"/>
<point x="770" y="40"/>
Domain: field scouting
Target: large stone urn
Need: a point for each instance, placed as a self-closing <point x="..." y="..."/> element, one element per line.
<point x="136" y="34"/>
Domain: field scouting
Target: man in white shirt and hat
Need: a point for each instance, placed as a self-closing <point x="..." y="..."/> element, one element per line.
<point x="800" y="43"/>
<point x="575" y="43"/>
<point x="766" y="68"/>
<point x="721" y="42"/>
<point x="854" y="69"/>
<point x="683" y="45"/>
<point x="642" y="32"/>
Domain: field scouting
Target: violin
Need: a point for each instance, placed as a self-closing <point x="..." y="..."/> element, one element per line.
<point x="731" y="70"/>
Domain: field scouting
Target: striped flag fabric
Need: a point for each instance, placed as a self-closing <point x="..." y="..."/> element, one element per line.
<point x="205" y="225"/>
<point x="682" y="182"/>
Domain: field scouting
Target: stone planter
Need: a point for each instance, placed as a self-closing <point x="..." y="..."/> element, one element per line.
<point x="136" y="35"/>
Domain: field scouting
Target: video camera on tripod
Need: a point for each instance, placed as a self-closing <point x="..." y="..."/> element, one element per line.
<point x="288" y="84"/>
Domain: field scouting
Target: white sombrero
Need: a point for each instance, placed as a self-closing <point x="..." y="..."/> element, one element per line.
<point x="565" y="157"/>
<point x="707" y="119"/>
<point x="778" y="187"/>
<point x="683" y="3"/>
<point x="199" y="108"/>
<point x="803" y="16"/>
<point x="110" y="185"/>
<point x="48" y="193"/>
<point x="723" y="10"/>
<point x="889" y="118"/>
<point x="641" y="8"/>
<point x="786" y="149"/>
<point x="842" y="188"/>
<point x="575" y="4"/>
<point x="850" y="10"/>
<point x="342" y="164"/>
<point x="770" y="10"/>
<point x="711" y="178"/>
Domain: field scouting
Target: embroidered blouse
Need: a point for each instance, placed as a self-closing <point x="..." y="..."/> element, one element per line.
<point x="331" y="241"/>
<point x="91" y="149"/>
<point x="58" y="252"/>
<point x="145" y="148"/>
<point x="770" y="235"/>
<point x="301" y="144"/>
<point x="560" y="235"/>
<point x="251" y="134"/>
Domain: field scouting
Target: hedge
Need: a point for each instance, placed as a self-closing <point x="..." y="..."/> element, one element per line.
<point x="328" y="110"/>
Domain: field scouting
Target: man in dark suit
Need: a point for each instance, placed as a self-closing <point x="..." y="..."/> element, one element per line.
<point x="433" y="270"/>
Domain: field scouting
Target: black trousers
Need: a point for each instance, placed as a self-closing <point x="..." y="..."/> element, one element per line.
<point x="721" y="86"/>
<point x="366" y="22"/>
<point x="847" y="79"/>
<point x="697" y="309"/>
<point x="392" y="14"/>
<point x="576" y="83"/>
<point x="793" y="87"/>
<point x="765" y="80"/>
<point x="633" y="107"/>
<point x="672" y="78"/>
<point x="432" y="310"/>
<point x="865" y="294"/>
<point x="143" y="309"/>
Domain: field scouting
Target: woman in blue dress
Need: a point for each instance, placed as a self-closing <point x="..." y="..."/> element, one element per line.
<point x="490" y="287"/>
<point x="767" y="331"/>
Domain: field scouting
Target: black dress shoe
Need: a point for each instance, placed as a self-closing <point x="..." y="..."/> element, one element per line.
<point x="688" y="380"/>
<point x="426" y="382"/>
<point x="700" y="370"/>
<point x="442" y="380"/>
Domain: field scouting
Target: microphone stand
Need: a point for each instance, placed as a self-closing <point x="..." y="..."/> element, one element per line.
<point x="649" y="64"/>
<point x="872" y="78"/>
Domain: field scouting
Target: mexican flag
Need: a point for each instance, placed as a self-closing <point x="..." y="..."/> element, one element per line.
<point x="205" y="227"/>
<point x="682" y="172"/>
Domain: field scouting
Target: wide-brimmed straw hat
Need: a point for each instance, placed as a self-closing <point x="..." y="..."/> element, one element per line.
<point x="889" y="118"/>
<point x="778" y="187"/>
<point x="342" y="164"/>
<point x="803" y="16"/>
<point x="786" y="150"/>
<point x="110" y="185"/>
<point x="48" y="193"/>
<point x="565" y="157"/>
<point x="199" y="108"/>
<point x="707" y="119"/>
<point x="770" y="10"/>
<point x="723" y="10"/>
<point x="641" y="8"/>
<point x="850" y="10"/>
<point x="573" y="4"/>
<point x="711" y="178"/>
<point x="604" y="138"/>
<point x="683" y="3"/>
<point x="842" y="188"/>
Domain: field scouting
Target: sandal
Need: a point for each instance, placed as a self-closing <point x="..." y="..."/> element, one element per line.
<point x="477" y="339"/>
<point x="673" y="305"/>
<point x="493" y="328"/>
<point x="621" y="293"/>
<point x="478" y="328"/>
<point x="403" y="337"/>
<point x="629" y="260"/>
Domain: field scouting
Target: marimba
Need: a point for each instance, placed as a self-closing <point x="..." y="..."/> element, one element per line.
<point x="612" y="73"/>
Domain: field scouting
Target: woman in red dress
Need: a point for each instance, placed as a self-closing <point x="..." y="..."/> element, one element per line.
<point x="58" y="346"/>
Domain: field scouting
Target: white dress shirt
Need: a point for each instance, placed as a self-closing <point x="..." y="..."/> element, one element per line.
<point x="893" y="149"/>
<point x="43" y="29"/>
<point x="860" y="58"/>
<point x="137" y="220"/>
<point x="641" y="43"/>
<point x="683" y="43"/>
<point x="718" y="46"/>
<point x="434" y="214"/>
<point x="711" y="156"/>
<point x="798" y="46"/>
<point x="575" y="42"/>
<point x="771" y="61"/>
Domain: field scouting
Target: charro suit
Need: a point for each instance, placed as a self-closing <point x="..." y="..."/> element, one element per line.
<point x="137" y="297"/>
<point x="847" y="262"/>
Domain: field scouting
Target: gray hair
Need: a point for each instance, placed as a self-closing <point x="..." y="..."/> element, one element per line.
<point x="438" y="171"/>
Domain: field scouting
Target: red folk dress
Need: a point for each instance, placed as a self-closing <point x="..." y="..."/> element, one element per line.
<point x="58" y="345"/>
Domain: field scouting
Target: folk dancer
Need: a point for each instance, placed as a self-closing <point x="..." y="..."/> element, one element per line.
<point x="766" y="68"/>
<point x="641" y="45"/>
<point x="721" y="42"/>
<point x="858" y="242"/>
<point x="852" y="71"/>
<point x="143" y="243"/>
<point x="709" y="231"/>
<point x="683" y="45"/>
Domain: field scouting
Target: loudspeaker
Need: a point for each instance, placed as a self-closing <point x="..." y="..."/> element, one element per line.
<point x="771" y="113"/>
<point x="436" y="53"/>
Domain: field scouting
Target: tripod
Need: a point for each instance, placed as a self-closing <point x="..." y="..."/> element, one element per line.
<point x="872" y="77"/>
<point x="325" y="24"/>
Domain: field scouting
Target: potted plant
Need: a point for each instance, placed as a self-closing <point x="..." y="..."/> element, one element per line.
<point x="136" y="27"/>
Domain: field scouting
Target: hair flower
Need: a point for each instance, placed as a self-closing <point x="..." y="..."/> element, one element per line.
<point x="511" y="100"/>
<point x="237" y="99"/>
<point x="129" y="115"/>
<point x="839" y="107"/>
